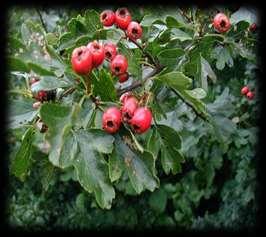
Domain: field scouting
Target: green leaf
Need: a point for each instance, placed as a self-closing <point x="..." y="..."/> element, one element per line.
<point x="176" y="80"/>
<point x="158" y="200"/>
<point x="21" y="112"/>
<point x="92" y="169"/>
<point x="148" y="20"/>
<point x="103" y="86"/>
<point x="140" y="167"/>
<point x="16" y="64"/>
<point x="153" y="144"/>
<point x="73" y="146"/>
<point x="51" y="83"/>
<point x="180" y="35"/>
<point x="169" y="57"/>
<point x="114" y="35"/>
<point x="205" y="71"/>
<point x="197" y="93"/>
<point x="170" y="144"/>
<point x="243" y="14"/>
<point x="21" y="164"/>
<point x="222" y="55"/>
<point x="92" y="21"/>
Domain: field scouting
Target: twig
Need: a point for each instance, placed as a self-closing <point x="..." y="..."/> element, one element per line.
<point x="67" y="92"/>
<point x="185" y="15"/>
<point x="139" y="83"/>
<point x="42" y="21"/>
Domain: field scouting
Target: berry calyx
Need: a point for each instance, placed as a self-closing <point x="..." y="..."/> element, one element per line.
<point x="107" y="17"/>
<point x="125" y="96"/>
<point x="250" y="95"/>
<point x="119" y="64"/>
<point x="134" y="30"/>
<point x="128" y="109"/>
<point x="141" y="121"/>
<point x="110" y="51"/>
<point x="111" y="120"/>
<point x="123" y="77"/>
<point x="122" y="18"/>
<point x="221" y="23"/>
<point x="244" y="90"/>
<point x="81" y="60"/>
<point x="97" y="52"/>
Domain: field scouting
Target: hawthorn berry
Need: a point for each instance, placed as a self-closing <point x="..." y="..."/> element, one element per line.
<point x="221" y="23"/>
<point x="110" y="51"/>
<point x="81" y="60"/>
<point x="253" y="27"/>
<point x="134" y="30"/>
<point x="41" y="96"/>
<point x="125" y="96"/>
<point x="107" y="17"/>
<point x="119" y="64"/>
<point x="128" y="109"/>
<point x="244" y="90"/>
<point x="123" y="77"/>
<point x="97" y="52"/>
<point x="111" y="120"/>
<point x="250" y="95"/>
<point x="122" y="18"/>
<point x="141" y="121"/>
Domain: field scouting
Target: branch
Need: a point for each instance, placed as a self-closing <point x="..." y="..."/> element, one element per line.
<point x="139" y="83"/>
<point x="42" y="21"/>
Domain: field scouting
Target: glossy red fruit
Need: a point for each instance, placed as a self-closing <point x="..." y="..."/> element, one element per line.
<point x="134" y="30"/>
<point x="41" y="96"/>
<point x="250" y="95"/>
<point x="123" y="77"/>
<point x="111" y="120"/>
<point x="122" y="18"/>
<point x="107" y="18"/>
<point x="128" y="109"/>
<point x="81" y="60"/>
<point x="97" y="52"/>
<point x="253" y="27"/>
<point x="119" y="64"/>
<point x="221" y="23"/>
<point x="141" y="121"/>
<point x="110" y="51"/>
<point x="244" y="90"/>
<point x="125" y="96"/>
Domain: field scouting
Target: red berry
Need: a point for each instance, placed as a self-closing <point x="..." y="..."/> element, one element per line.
<point x="134" y="30"/>
<point x="110" y="51"/>
<point x="97" y="52"/>
<point x="221" y="23"/>
<point x="250" y="95"/>
<point x="119" y="64"/>
<point x="125" y="96"/>
<point x="111" y="120"/>
<point x="123" y="77"/>
<point x="141" y="121"/>
<point x="128" y="108"/>
<point x="41" y="96"/>
<point x="81" y="60"/>
<point x="253" y="27"/>
<point x="107" y="18"/>
<point x="122" y="18"/>
<point x="244" y="90"/>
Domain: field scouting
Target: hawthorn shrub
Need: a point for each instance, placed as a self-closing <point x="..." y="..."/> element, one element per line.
<point x="189" y="162"/>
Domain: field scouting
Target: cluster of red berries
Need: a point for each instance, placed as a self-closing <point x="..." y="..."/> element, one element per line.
<point x="85" y="58"/>
<point x="139" y="118"/>
<point x="221" y="23"/>
<point x="122" y="19"/>
<point x="249" y="94"/>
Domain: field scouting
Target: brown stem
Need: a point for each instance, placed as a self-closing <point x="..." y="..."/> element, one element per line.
<point x="139" y="83"/>
<point x="67" y="92"/>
